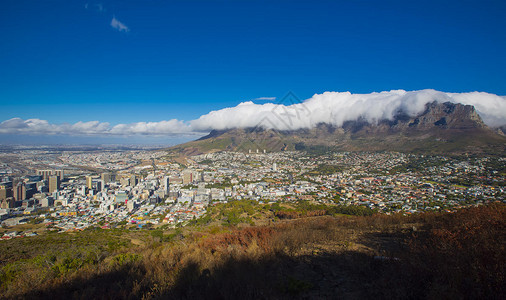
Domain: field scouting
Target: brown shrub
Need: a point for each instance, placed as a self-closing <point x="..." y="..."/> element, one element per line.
<point x="242" y="238"/>
<point x="459" y="255"/>
<point x="463" y="253"/>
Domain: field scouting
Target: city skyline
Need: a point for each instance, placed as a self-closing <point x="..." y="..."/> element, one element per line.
<point x="90" y="63"/>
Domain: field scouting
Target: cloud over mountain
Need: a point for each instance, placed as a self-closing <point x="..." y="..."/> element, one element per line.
<point x="338" y="107"/>
<point x="330" y="107"/>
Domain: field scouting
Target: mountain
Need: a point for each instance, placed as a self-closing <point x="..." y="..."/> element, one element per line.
<point x="440" y="128"/>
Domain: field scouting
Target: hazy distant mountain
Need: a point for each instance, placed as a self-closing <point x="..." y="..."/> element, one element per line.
<point x="441" y="128"/>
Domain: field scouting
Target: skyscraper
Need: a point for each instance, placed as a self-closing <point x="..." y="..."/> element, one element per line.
<point x="89" y="182"/>
<point x="3" y="192"/>
<point x="54" y="183"/>
<point x="59" y="173"/>
<point x="45" y="174"/>
<point x="106" y="177"/>
<point x="20" y="192"/>
<point x="187" y="176"/>
<point x="133" y="180"/>
<point x="166" y="184"/>
<point x="100" y="185"/>
<point x="7" y="203"/>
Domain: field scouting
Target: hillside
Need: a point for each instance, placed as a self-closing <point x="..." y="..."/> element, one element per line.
<point x="441" y="128"/>
<point x="429" y="255"/>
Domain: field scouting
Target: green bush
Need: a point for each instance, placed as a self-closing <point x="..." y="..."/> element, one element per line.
<point x="125" y="259"/>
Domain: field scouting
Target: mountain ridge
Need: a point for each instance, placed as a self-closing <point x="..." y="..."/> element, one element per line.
<point x="441" y="128"/>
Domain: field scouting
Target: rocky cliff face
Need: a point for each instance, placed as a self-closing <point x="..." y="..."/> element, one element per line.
<point x="436" y="116"/>
<point x="446" y="115"/>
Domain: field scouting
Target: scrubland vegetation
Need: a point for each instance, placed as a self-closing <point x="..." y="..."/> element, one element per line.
<point x="298" y="255"/>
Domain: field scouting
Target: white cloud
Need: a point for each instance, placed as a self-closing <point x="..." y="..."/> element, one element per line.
<point x="338" y="107"/>
<point x="116" y="24"/>
<point x="330" y="107"/>
<point x="152" y="128"/>
<point x="491" y="108"/>
<point x="43" y="127"/>
<point x="37" y="126"/>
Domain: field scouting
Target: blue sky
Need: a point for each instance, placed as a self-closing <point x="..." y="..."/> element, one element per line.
<point x="149" y="61"/>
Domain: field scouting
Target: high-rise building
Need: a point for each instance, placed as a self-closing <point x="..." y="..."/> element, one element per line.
<point x="47" y="173"/>
<point x="130" y="203"/>
<point x="31" y="189"/>
<point x="54" y="183"/>
<point x="166" y="184"/>
<point x="3" y="192"/>
<point x="89" y="182"/>
<point x="100" y="185"/>
<point x="201" y="188"/>
<point x="7" y="203"/>
<point x="59" y="173"/>
<point x="133" y="180"/>
<point x="198" y="176"/>
<point x="20" y="192"/>
<point x="39" y="185"/>
<point x="106" y="177"/>
<point x="187" y="176"/>
<point x="81" y="190"/>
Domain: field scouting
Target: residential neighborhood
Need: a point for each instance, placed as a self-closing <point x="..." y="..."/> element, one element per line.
<point x="70" y="190"/>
